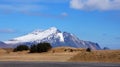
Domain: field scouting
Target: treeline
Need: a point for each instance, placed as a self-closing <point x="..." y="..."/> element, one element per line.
<point x="36" y="48"/>
<point x="41" y="47"/>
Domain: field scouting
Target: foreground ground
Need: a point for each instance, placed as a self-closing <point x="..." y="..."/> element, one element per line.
<point x="97" y="56"/>
<point x="56" y="64"/>
<point x="62" y="54"/>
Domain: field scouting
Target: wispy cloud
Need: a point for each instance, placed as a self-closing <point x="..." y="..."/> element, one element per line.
<point x="35" y="1"/>
<point x="27" y="4"/>
<point x="7" y="31"/>
<point x="31" y="7"/>
<point x="48" y="15"/>
<point x="95" y="4"/>
<point x="64" y="14"/>
<point x="20" y="7"/>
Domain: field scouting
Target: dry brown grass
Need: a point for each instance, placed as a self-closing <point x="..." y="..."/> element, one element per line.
<point x="2" y="51"/>
<point x="62" y="54"/>
<point x="26" y="56"/>
<point x="67" y="49"/>
<point x="97" y="56"/>
<point x="36" y="57"/>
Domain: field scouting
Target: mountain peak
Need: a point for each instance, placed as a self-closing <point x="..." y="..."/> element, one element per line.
<point x="53" y="29"/>
<point x="37" y="31"/>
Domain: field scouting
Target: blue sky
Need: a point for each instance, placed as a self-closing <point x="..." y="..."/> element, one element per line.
<point x="91" y="20"/>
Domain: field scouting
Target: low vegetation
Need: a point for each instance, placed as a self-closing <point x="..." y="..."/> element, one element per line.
<point x="21" y="48"/>
<point x="67" y="49"/>
<point x="88" y="49"/>
<point x="39" y="48"/>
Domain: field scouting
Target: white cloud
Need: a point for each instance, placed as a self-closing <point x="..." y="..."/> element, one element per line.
<point x="7" y="31"/>
<point x="95" y="4"/>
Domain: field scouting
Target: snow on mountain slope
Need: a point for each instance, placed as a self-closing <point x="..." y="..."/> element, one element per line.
<point x="61" y="37"/>
<point x="35" y="35"/>
<point x="53" y="36"/>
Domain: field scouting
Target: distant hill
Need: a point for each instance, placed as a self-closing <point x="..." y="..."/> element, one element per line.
<point x="106" y="48"/>
<point x="3" y="45"/>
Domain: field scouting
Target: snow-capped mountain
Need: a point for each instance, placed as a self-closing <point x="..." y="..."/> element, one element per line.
<point x="53" y="36"/>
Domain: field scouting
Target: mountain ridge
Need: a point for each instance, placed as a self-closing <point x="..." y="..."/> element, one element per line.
<point x="53" y="36"/>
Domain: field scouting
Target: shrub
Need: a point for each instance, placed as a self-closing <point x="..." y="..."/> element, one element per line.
<point x="39" y="48"/>
<point x="33" y="49"/>
<point x="71" y="50"/>
<point x="88" y="49"/>
<point x="21" y="48"/>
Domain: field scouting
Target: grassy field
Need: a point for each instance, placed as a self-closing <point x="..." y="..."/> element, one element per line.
<point x="26" y="56"/>
<point x="62" y="54"/>
<point x="97" y="56"/>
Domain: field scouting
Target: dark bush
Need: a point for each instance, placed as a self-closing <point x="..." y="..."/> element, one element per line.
<point x="39" y="48"/>
<point x="88" y="49"/>
<point x="33" y="49"/>
<point x="21" y="48"/>
<point x="71" y="50"/>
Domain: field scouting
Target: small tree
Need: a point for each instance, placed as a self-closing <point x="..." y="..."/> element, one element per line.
<point x="43" y="47"/>
<point x="33" y="49"/>
<point x="40" y="47"/>
<point x="88" y="49"/>
<point x="21" y="48"/>
<point x="71" y="50"/>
